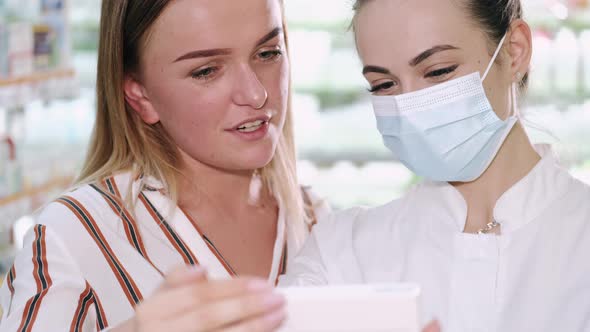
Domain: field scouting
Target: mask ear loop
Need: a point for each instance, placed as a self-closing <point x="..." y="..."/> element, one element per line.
<point x="485" y="74"/>
<point x="513" y="87"/>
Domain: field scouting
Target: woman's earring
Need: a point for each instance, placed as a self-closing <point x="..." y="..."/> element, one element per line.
<point x="514" y="93"/>
<point x="255" y="187"/>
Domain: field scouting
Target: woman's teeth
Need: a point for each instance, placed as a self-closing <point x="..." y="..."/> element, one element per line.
<point x="251" y="126"/>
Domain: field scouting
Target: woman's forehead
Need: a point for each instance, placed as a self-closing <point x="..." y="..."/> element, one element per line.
<point x="205" y="24"/>
<point x="405" y="28"/>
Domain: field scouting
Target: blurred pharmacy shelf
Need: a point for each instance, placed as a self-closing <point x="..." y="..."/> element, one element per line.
<point x="17" y="92"/>
<point x="35" y="69"/>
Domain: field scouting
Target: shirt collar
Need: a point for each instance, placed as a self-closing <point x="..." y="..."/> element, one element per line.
<point x="526" y="200"/>
<point x="520" y="204"/>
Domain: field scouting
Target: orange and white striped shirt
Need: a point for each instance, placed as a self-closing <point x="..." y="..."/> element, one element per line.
<point x="88" y="262"/>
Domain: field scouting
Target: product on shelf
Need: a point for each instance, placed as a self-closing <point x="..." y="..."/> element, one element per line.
<point x="34" y="67"/>
<point x="10" y="175"/>
<point x="43" y="50"/>
<point x="52" y="5"/>
<point x="33" y="37"/>
<point x="17" y="46"/>
<point x="585" y="49"/>
<point x="566" y="59"/>
<point x="542" y="64"/>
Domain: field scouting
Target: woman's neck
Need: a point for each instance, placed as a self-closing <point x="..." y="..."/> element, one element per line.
<point x="203" y="186"/>
<point x="515" y="159"/>
<point x="217" y="202"/>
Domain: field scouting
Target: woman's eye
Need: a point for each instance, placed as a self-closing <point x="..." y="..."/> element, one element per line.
<point x="441" y="72"/>
<point x="204" y="73"/>
<point x="382" y="86"/>
<point x="270" y="55"/>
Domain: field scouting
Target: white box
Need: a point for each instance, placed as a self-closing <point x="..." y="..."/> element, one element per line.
<point x="358" y="308"/>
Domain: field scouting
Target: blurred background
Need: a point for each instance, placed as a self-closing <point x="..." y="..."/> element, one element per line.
<point x="47" y="75"/>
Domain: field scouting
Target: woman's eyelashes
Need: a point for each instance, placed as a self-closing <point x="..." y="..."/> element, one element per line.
<point x="205" y="73"/>
<point x="441" y="73"/>
<point x="437" y="75"/>
<point x="270" y="55"/>
<point x="210" y="72"/>
<point x="382" y="86"/>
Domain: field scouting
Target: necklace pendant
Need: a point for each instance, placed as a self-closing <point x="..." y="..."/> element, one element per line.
<point x="489" y="227"/>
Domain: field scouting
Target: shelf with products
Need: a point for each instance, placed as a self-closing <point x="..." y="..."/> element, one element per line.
<point x="35" y="65"/>
<point x="33" y="194"/>
<point x="553" y="15"/>
<point x="17" y="92"/>
<point x="38" y="77"/>
<point x="577" y="20"/>
<point x="35" y="71"/>
<point x="35" y="52"/>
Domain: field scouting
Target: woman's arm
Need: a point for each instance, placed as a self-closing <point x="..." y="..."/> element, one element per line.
<point x="45" y="291"/>
<point x="328" y="255"/>
<point x="307" y="269"/>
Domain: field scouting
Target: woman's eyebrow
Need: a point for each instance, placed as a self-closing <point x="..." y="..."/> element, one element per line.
<point x="428" y="53"/>
<point x="225" y="51"/>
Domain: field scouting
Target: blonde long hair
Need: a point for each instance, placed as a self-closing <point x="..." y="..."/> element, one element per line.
<point x="121" y="141"/>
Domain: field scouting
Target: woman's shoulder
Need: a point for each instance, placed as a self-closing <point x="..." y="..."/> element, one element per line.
<point x="344" y="223"/>
<point x="389" y="211"/>
<point x="316" y="206"/>
<point x="87" y="203"/>
<point x="65" y="207"/>
<point x="575" y="199"/>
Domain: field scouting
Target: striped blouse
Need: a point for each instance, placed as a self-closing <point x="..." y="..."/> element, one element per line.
<point x="89" y="261"/>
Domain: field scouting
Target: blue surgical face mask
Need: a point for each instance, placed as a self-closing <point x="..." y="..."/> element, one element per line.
<point x="448" y="132"/>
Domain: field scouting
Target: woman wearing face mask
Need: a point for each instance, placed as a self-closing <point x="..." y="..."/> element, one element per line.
<point x="498" y="234"/>
<point x="191" y="164"/>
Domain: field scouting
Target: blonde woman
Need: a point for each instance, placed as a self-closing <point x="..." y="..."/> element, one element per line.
<point x="191" y="163"/>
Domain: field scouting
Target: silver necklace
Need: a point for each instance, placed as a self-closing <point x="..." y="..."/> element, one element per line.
<point x="489" y="227"/>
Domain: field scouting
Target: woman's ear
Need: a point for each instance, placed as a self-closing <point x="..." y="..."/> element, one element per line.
<point x="520" y="47"/>
<point x="137" y="98"/>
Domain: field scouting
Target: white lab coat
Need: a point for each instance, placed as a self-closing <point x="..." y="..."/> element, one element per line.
<point x="533" y="277"/>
